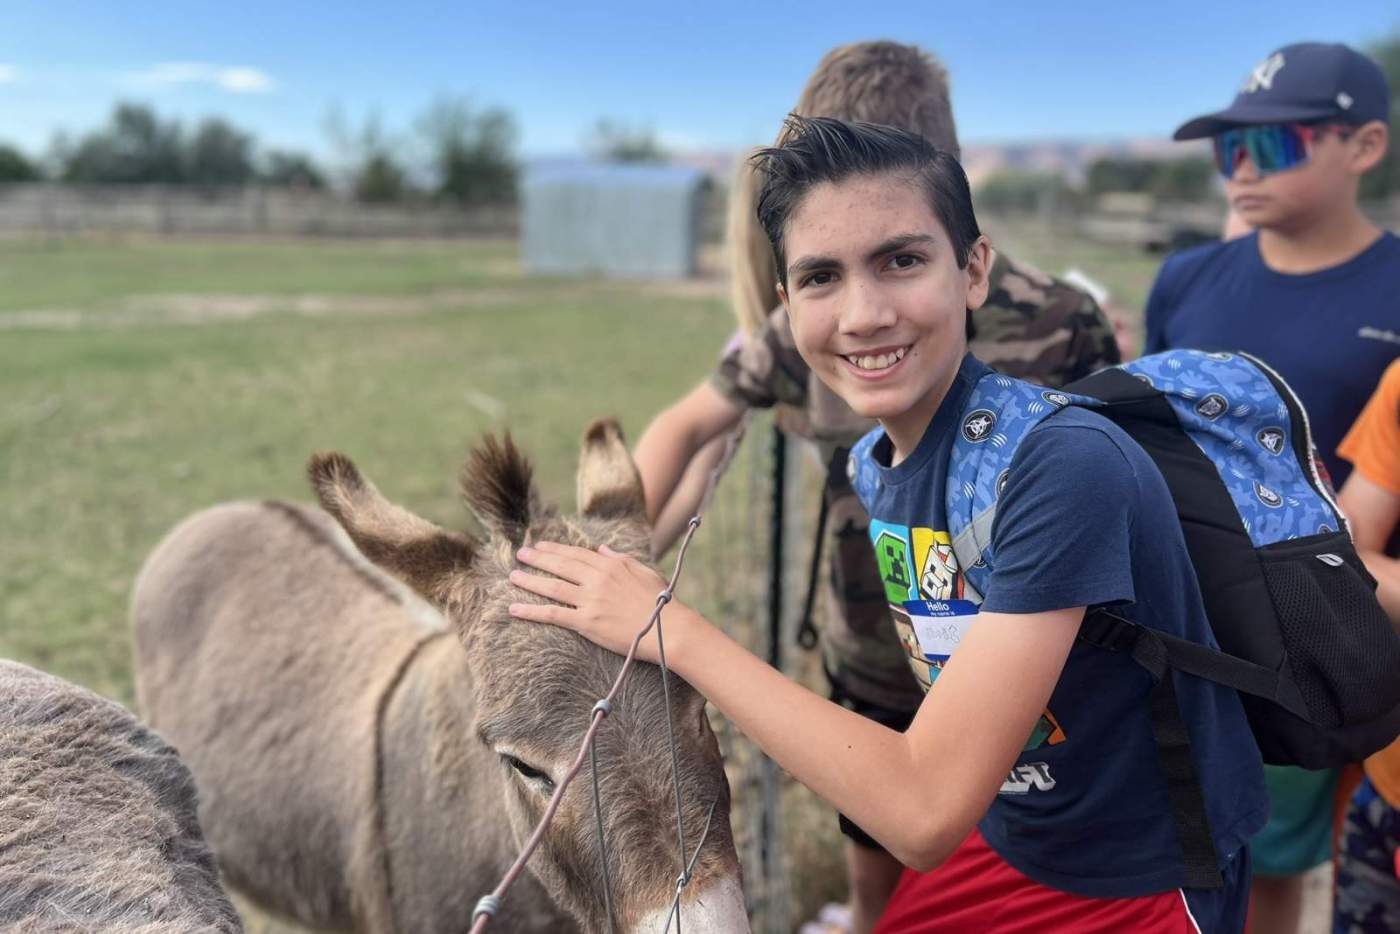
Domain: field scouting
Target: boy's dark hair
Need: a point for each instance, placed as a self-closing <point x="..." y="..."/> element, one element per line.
<point x="883" y="82"/>
<point x="820" y="149"/>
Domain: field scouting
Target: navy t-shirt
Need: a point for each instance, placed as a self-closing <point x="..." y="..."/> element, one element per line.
<point x="1085" y="519"/>
<point x="1330" y="334"/>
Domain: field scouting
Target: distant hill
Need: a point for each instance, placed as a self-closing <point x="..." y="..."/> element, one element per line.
<point x="1070" y="158"/>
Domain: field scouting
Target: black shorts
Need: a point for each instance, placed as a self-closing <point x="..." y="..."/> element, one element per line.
<point x="894" y="720"/>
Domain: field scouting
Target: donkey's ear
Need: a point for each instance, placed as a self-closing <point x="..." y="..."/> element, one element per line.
<point x="498" y="484"/>
<point x="428" y="558"/>
<point x="609" y="486"/>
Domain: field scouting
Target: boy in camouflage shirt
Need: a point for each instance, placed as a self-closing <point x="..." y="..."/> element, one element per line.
<point x="1031" y="326"/>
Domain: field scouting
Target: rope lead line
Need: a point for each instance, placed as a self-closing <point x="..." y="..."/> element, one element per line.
<point x="488" y="905"/>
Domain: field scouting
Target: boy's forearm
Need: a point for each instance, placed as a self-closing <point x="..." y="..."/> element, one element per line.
<point x="858" y="766"/>
<point x="674" y="517"/>
<point x="661" y="456"/>
<point x="673" y="438"/>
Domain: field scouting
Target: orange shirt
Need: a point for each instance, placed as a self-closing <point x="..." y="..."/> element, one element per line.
<point x="1373" y="444"/>
<point x="1373" y="447"/>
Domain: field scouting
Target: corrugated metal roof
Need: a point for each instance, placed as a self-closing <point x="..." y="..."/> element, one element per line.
<point x="614" y="175"/>
<point x="610" y="219"/>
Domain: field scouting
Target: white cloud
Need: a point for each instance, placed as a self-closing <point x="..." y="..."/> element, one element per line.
<point x="8" y="74"/>
<point x="240" y="79"/>
<point x="245" y="80"/>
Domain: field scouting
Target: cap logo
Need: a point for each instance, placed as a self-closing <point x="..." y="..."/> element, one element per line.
<point x="1344" y="100"/>
<point x="1263" y="74"/>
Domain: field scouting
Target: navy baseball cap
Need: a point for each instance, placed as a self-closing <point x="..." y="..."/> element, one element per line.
<point x="1303" y="83"/>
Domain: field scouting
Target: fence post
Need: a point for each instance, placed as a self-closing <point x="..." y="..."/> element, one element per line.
<point x="777" y="915"/>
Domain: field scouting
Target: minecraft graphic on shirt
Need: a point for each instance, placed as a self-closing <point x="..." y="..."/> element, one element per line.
<point x="926" y="593"/>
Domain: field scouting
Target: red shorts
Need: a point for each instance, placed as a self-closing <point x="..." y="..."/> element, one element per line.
<point x="977" y="892"/>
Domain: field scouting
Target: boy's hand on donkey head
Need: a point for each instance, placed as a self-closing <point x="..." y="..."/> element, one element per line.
<point x="604" y="596"/>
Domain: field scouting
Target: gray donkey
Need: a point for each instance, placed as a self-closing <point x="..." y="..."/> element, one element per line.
<point x="97" y="819"/>
<point x="371" y="761"/>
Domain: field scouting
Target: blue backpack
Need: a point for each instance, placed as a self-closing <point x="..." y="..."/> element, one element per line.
<point x="1301" y="635"/>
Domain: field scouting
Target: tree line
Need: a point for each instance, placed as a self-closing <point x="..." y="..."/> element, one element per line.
<point x="453" y="152"/>
<point x="1190" y="179"/>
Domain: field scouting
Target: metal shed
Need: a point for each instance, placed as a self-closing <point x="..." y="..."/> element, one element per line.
<point x="622" y="221"/>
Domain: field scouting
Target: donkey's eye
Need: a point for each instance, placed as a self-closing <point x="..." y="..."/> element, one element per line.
<point x="530" y="773"/>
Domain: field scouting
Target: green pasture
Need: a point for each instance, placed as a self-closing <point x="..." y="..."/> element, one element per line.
<point x="141" y="380"/>
<point x="110" y="432"/>
<point x="144" y="378"/>
<point x="77" y="273"/>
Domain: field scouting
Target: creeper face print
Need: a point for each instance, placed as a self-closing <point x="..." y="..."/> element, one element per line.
<point x="892" y="556"/>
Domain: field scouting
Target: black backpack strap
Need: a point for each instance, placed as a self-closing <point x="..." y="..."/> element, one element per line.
<point x="1112" y="632"/>
<point x="806" y="629"/>
<point x="1184" y="794"/>
<point x="835" y="478"/>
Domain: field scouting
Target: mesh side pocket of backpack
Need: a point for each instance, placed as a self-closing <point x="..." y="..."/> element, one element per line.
<point x="1341" y="650"/>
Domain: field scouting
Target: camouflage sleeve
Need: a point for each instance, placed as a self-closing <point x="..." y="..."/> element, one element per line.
<point x="1040" y="329"/>
<point x="764" y="369"/>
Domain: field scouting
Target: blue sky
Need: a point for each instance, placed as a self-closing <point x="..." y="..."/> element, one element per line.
<point x="716" y="76"/>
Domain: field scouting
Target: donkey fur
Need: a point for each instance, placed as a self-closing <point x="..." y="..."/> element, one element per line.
<point x="97" y="819"/>
<point x="350" y="752"/>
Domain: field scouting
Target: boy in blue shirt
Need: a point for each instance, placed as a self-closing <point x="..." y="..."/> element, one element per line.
<point x="1315" y="292"/>
<point x="880" y="260"/>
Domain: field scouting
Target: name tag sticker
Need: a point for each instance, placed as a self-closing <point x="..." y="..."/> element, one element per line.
<point x="940" y="625"/>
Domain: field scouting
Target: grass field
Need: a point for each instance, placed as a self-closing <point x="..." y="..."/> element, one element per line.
<point x="141" y="380"/>
<point x="114" y="428"/>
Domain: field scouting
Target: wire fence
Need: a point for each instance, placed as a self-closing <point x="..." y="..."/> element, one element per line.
<point x="488" y="905"/>
<point x="744" y="580"/>
<point x="54" y="209"/>
<point x="749" y="573"/>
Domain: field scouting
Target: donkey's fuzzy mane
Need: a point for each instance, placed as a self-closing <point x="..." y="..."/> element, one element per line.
<point x="497" y="481"/>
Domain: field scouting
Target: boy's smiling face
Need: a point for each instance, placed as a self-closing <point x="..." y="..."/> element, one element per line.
<point x="877" y="300"/>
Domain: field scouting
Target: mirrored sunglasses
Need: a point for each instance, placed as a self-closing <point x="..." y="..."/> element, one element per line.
<point x="1275" y="147"/>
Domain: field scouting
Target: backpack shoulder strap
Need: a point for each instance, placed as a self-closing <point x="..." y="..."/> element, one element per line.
<point x="864" y="477"/>
<point x="998" y="414"/>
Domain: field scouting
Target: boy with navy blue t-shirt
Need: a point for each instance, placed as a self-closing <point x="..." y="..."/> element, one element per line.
<point x="1027" y="793"/>
<point x="1314" y="291"/>
<point x="1084" y="519"/>
<point x="1330" y="333"/>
